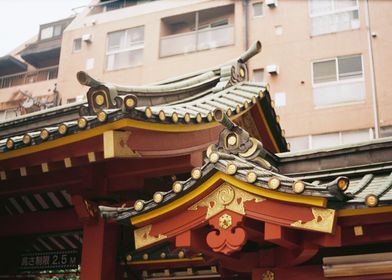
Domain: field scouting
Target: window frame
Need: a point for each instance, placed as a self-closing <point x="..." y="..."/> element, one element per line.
<point x="256" y="70"/>
<point x="73" y="45"/>
<point x="262" y="9"/>
<point x="338" y="80"/>
<point x="333" y="12"/>
<point x="133" y="47"/>
<point x="53" y="28"/>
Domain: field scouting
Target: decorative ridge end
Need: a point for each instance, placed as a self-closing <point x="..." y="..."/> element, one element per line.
<point x="237" y="141"/>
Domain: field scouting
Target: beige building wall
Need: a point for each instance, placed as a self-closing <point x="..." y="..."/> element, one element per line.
<point x="153" y="68"/>
<point x="294" y="51"/>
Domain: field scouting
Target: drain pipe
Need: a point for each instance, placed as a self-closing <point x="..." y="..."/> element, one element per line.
<point x="372" y="74"/>
<point x="246" y="16"/>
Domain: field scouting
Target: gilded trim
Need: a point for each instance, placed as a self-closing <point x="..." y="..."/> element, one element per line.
<point x="323" y="220"/>
<point x="224" y="197"/>
<point x="86" y="134"/>
<point x="143" y="237"/>
<point x="364" y="211"/>
<point x="220" y="176"/>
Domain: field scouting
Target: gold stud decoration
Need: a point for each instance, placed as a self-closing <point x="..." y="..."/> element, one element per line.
<point x="129" y="102"/>
<point x="26" y="139"/>
<point x="129" y="258"/>
<point x="187" y="118"/>
<point x="199" y="118"/>
<point x="102" y="116"/>
<point x="10" y="143"/>
<point x="251" y="177"/>
<point x="214" y="157"/>
<point x="82" y="123"/>
<point x="161" y="115"/>
<point x="177" y="187"/>
<point x="139" y="205"/>
<point x="232" y="140"/>
<point x="343" y="184"/>
<point x="63" y="128"/>
<point x="210" y="117"/>
<point x="181" y="254"/>
<point x="231" y="168"/>
<point x="44" y="134"/>
<point x="246" y="104"/>
<point x="158" y="197"/>
<point x="242" y="72"/>
<point x="298" y="187"/>
<point x="274" y="183"/>
<point x="99" y="99"/>
<point x="196" y="173"/>
<point x="145" y="256"/>
<point x="148" y="112"/>
<point x="175" y="117"/>
<point x="163" y="255"/>
<point x="371" y="200"/>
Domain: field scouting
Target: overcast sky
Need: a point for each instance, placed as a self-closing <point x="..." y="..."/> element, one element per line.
<point x="20" y="19"/>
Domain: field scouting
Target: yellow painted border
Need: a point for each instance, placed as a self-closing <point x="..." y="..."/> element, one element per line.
<point x="85" y="134"/>
<point x="293" y="198"/>
<point x="364" y="211"/>
<point x="167" y="261"/>
<point x="271" y="136"/>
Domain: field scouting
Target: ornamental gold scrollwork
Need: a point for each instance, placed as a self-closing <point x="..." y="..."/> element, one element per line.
<point x="225" y="197"/>
<point x="143" y="237"/>
<point x="323" y="221"/>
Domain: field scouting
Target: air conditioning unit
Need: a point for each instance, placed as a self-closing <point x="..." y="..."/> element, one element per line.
<point x="273" y="69"/>
<point x="87" y="38"/>
<point x="271" y="3"/>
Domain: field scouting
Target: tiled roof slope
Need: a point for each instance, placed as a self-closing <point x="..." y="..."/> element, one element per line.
<point x="243" y="157"/>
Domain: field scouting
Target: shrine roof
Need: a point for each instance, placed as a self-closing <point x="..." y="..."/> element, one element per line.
<point x="252" y="170"/>
<point x="182" y="104"/>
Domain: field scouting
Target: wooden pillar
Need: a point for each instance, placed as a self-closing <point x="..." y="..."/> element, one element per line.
<point x="99" y="251"/>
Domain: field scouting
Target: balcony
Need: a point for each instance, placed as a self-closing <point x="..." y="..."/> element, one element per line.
<point x="28" y="77"/>
<point x="204" y="39"/>
<point x="111" y="5"/>
<point x="45" y="52"/>
<point x="197" y="31"/>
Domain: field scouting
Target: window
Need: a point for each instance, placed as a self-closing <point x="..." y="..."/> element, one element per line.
<point x="125" y="48"/>
<point x="338" y="80"/>
<point x="52" y="73"/>
<point x="319" y="141"/>
<point x="257" y="9"/>
<point x="51" y="31"/>
<point x="328" y="16"/>
<point x="77" y="45"/>
<point x="258" y="75"/>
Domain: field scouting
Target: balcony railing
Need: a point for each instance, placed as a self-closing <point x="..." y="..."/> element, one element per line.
<point x="29" y="77"/>
<point x="204" y="39"/>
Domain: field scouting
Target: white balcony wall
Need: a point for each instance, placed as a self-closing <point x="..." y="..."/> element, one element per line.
<point x="196" y="41"/>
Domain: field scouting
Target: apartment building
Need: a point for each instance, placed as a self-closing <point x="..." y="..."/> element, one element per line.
<point x="28" y="76"/>
<point x="326" y="61"/>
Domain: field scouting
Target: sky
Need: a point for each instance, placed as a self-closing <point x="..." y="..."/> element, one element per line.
<point x="20" y="19"/>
